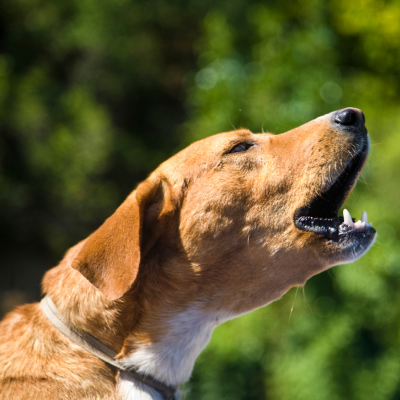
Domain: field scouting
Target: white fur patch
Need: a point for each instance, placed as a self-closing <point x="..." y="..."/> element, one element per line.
<point x="170" y="360"/>
<point x="131" y="389"/>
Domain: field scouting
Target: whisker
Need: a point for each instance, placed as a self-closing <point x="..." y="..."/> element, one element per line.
<point x="230" y="121"/>
<point x="307" y="304"/>
<point x="294" y="300"/>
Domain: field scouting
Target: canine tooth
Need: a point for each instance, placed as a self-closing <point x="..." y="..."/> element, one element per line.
<point x="347" y="218"/>
<point x="364" y="217"/>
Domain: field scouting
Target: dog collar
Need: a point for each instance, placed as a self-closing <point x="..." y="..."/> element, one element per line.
<point x="98" y="348"/>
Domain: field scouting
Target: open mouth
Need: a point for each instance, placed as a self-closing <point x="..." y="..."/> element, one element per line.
<point x="320" y="215"/>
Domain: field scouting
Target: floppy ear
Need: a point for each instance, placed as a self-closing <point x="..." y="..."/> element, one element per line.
<point x="110" y="257"/>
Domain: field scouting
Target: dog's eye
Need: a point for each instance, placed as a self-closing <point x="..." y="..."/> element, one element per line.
<point x="240" y="147"/>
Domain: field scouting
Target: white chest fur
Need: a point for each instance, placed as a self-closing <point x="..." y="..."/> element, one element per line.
<point x="131" y="389"/>
<point x="170" y="360"/>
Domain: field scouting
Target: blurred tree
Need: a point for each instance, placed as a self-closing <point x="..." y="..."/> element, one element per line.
<point x="90" y="99"/>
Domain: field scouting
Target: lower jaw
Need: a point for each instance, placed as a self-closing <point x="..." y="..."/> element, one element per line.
<point x="352" y="245"/>
<point x="345" y="242"/>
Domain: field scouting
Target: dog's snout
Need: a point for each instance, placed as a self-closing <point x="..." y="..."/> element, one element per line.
<point x="350" y="117"/>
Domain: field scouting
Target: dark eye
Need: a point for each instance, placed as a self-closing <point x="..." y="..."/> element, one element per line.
<point x="240" y="147"/>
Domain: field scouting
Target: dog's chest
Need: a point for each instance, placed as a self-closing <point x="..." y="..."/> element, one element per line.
<point x="171" y="359"/>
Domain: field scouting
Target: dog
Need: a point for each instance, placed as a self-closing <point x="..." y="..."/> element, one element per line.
<point x="224" y="227"/>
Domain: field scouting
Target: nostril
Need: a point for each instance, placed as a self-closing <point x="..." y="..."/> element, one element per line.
<point x="348" y="117"/>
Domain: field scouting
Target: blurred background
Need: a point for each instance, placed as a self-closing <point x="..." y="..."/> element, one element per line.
<point x="94" y="94"/>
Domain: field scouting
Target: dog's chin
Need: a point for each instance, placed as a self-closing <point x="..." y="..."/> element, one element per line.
<point x="345" y="239"/>
<point x="351" y="246"/>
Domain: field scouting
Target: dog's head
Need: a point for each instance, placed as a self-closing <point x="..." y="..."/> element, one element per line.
<point x="242" y="216"/>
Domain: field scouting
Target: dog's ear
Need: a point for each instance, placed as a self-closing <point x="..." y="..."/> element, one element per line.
<point x="110" y="257"/>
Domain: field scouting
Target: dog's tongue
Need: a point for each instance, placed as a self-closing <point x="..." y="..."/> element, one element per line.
<point x="361" y="224"/>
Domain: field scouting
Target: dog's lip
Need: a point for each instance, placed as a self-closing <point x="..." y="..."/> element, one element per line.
<point x="351" y="170"/>
<point x="334" y="228"/>
<point x="320" y="215"/>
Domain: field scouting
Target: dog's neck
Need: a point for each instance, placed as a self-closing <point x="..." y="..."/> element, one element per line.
<point x="163" y="323"/>
<point x="170" y="357"/>
<point x="156" y="332"/>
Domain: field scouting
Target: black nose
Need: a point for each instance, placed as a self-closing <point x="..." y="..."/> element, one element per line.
<point x="351" y="117"/>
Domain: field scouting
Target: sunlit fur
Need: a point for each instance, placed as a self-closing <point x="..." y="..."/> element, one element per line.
<point x="207" y="237"/>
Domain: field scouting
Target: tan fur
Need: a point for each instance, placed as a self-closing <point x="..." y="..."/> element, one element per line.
<point x="205" y="228"/>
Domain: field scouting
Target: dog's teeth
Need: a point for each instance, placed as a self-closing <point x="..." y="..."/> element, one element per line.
<point x="360" y="224"/>
<point x="364" y="217"/>
<point x="347" y="218"/>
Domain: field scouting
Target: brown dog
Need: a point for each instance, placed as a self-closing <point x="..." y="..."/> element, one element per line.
<point x="223" y="227"/>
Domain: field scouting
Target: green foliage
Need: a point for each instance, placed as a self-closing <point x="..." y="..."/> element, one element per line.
<point x="94" y="95"/>
<point x="90" y="98"/>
